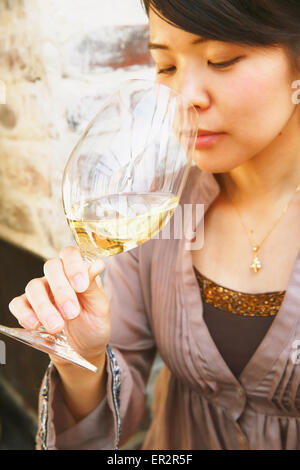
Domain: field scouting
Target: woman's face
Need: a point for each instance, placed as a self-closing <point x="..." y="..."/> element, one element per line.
<point x="249" y="99"/>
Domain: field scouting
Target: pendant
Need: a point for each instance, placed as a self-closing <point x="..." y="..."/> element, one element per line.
<point x="256" y="264"/>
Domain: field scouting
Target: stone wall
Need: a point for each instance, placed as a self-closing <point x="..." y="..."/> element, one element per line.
<point x="59" y="59"/>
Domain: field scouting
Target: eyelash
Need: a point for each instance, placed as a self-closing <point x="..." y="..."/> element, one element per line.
<point x="225" y="64"/>
<point x="169" y="70"/>
<point x="217" y="65"/>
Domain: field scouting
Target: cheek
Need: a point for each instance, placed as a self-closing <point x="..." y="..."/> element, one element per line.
<point x="257" y="102"/>
<point x="249" y="94"/>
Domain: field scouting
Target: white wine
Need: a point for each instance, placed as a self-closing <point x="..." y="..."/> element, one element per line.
<point x="119" y="222"/>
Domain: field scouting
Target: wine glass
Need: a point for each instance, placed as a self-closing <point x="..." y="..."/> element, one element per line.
<point x="123" y="181"/>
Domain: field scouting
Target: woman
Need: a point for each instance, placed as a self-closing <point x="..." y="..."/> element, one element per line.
<point x="225" y="317"/>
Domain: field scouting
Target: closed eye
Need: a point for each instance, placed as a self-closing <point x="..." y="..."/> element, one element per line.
<point x="224" y="64"/>
<point x="219" y="65"/>
<point x="167" y="70"/>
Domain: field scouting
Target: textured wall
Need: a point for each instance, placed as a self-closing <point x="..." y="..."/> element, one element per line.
<point x="58" y="59"/>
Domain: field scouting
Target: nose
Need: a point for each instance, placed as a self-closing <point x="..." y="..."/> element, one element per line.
<point x="192" y="85"/>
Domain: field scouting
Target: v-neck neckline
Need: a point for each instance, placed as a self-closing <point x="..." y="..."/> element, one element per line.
<point x="279" y="333"/>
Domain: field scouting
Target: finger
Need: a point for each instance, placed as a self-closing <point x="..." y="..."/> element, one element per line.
<point x="21" y="309"/>
<point x="63" y="293"/>
<point x="94" y="274"/>
<point x="99" y="282"/>
<point x="37" y="294"/>
<point x="94" y="299"/>
<point x="75" y="268"/>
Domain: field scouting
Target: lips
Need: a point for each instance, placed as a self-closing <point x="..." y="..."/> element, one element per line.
<point x="205" y="132"/>
<point x="201" y="132"/>
<point x="204" y="139"/>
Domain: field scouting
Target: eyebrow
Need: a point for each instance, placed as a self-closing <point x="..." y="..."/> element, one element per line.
<point x="153" y="45"/>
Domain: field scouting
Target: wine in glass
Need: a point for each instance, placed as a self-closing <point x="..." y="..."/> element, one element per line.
<point x="123" y="181"/>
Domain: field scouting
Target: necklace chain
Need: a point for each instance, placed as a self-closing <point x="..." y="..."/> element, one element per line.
<point x="256" y="264"/>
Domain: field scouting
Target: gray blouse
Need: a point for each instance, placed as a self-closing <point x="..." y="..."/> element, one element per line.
<point x="198" y="403"/>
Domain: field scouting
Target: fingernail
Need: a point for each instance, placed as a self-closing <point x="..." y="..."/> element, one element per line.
<point x="32" y="322"/>
<point x="80" y="283"/>
<point x="70" y="310"/>
<point x="53" y="323"/>
<point x="100" y="264"/>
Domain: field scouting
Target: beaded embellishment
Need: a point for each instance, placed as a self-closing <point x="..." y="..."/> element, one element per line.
<point x="43" y="432"/>
<point x="240" y="303"/>
<point x="116" y="390"/>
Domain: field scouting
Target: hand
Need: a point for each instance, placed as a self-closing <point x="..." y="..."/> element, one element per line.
<point x="69" y="297"/>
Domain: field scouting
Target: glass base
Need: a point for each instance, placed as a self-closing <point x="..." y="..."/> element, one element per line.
<point x="55" y="345"/>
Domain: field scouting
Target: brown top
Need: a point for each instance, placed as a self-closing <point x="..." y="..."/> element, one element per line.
<point x="237" y="321"/>
<point x="198" y="402"/>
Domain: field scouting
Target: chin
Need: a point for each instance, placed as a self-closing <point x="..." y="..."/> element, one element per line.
<point x="206" y="162"/>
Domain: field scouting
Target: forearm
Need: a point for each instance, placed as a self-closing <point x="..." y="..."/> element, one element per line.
<point x="81" y="389"/>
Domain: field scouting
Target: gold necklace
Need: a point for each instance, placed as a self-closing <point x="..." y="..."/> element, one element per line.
<point x="256" y="263"/>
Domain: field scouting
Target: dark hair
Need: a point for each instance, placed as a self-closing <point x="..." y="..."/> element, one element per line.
<point x="269" y="23"/>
